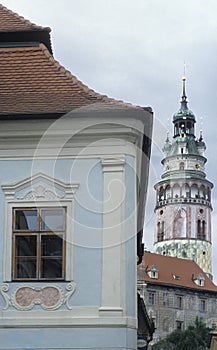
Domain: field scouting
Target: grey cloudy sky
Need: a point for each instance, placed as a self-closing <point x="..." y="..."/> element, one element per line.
<point x="135" y="51"/>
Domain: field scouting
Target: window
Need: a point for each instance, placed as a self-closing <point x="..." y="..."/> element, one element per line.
<point x="214" y="309"/>
<point x="198" y="229"/>
<point x="153" y="272"/>
<point x="199" y="280"/>
<point x="39" y="243"/>
<point x="166" y="324"/>
<point x="181" y="166"/>
<point x="168" y="192"/>
<point x="214" y="306"/>
<point x="202" y="305"/>
<point x="166" y="299"/>
<point x="160" y="231"/>
<point x="151" y="298"/>
<point x="36" y="201"/>
<point x="176" y="277"/>
<point x="201" y="229"/>
<point x="179" y="325"/>
<point x="179" y="302"/>
<point x="192" y="303"/>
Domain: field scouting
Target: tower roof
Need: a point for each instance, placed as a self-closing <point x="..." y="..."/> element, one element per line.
<point x="191" y="145"/>
<point x="184" y="112"/>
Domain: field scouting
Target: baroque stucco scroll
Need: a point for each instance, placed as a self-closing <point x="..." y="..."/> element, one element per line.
<point x="49" y="297"/>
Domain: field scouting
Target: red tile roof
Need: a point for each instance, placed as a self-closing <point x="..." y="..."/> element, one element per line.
<point x="31" y="81"/>
<point x="169" y="267"/>
<point x="12" y="22"/>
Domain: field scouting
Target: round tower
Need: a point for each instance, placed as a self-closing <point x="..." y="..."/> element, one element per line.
<point x="183" y="195"/>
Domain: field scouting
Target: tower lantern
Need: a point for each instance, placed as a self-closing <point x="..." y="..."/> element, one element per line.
<point x="183" y="195"/>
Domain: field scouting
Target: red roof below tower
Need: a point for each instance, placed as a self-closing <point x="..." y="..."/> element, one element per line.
<point x="173" y="271"/>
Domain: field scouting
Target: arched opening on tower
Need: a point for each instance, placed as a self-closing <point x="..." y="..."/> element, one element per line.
<point x="194" y="191"/>
<point x="186" y="191"/>
<point x="182" y="166"/>
<point x="202" y="192"/>
<point x="201" y="229"/>
<point x="176" y="191"/>
<point x="168" y="192"/>
<point x="209" y="194"/>
<point x="161" y="195"/>
<point x="160" y="231"/>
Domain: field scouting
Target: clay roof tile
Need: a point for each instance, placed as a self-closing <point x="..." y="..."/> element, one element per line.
<point x="174" y="271"/>
<point x="31" y="80"/>
<point x="12" y="22"/>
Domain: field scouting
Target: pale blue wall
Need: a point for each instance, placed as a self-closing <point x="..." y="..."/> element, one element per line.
<point x="33" y="338"/>
<point x="87" y="254"/>
<point x="88" y="217"/>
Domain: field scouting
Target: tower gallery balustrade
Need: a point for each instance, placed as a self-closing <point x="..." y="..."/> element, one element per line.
<point x="183" y="194"/>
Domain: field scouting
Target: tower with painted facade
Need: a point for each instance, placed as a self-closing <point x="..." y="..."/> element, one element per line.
<point x="183" y="195"/>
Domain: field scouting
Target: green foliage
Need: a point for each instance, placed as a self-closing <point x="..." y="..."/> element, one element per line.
<point x="195" y="337"/>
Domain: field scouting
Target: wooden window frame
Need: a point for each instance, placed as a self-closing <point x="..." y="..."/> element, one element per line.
<point x="39" y="232"/>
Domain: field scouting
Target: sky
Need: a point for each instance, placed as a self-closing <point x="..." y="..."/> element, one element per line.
<point x="134" y="50"/>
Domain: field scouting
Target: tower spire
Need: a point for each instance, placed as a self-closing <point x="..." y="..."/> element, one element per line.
<point x="184" y="100"/>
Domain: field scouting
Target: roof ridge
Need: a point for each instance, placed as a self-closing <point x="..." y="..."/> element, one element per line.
<point x="23" y="19"/>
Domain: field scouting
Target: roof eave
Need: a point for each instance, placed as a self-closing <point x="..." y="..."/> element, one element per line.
<point x="41" y="36"/>
<point x="173" y="285"/>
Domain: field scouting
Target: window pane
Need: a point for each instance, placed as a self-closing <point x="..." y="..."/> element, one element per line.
<point x="26" y="245"/>
<point x="51" y="245"/>
<point x="25" y="268"/>
<point x="51" y="268"/>
<point x="52" y="219"/>
<point x="26" y="220"/>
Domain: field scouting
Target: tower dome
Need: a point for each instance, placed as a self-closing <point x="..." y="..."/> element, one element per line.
<point x="184" y="119"/>
<point x="183" y="195"/>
